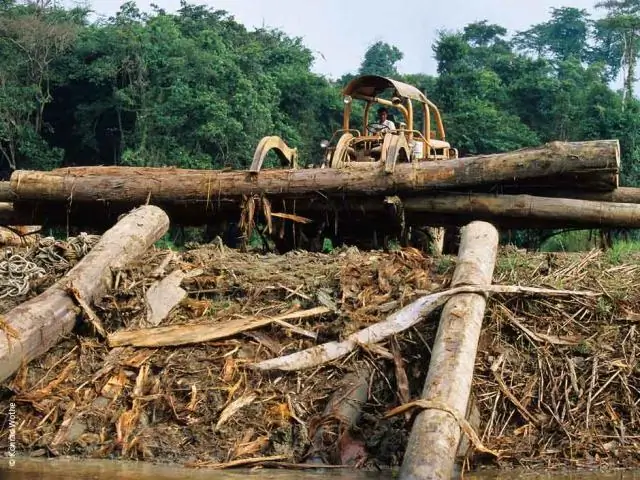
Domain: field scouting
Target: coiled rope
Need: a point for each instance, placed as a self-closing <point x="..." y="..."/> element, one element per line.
<point x="48" y="256"/>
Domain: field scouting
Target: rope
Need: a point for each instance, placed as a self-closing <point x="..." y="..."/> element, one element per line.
<point x="464" y="425"/>
<point x="48" y="256"/>
<point x="16" y="273"/>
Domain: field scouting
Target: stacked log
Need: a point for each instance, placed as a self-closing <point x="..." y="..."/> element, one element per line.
<point x="558" y="185"/>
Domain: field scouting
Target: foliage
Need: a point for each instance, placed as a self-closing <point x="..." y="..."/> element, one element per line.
<point x="197" y="89"/>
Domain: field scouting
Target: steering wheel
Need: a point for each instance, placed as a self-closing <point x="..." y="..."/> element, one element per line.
<point x="375" y="127"/>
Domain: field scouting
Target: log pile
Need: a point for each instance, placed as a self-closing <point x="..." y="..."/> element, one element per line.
<point x="150" y="373"/>
<point x="573" y="184"/>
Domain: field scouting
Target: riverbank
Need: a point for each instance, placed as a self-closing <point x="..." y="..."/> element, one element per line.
<point x="556" y="379"/>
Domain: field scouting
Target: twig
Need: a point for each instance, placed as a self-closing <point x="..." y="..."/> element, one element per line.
<point x="505" y="390"/>
<point x="594" y="370"/>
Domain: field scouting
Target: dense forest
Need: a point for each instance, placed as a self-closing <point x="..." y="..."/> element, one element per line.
<point x="197" y="89"/>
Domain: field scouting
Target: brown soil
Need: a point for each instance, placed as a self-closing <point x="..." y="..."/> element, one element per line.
<point x="556" y="380"/>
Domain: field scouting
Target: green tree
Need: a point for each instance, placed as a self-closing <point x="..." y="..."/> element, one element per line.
<point x="623" y="23"/>
<point x="380" y="59"/>
<point x="565" y="36"/>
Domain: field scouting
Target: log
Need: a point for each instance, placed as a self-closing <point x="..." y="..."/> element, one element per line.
<point x="617" y="195"/>
<point x="9" y="216"/>
<point x="572" y="161"/>
<point x="19" y="235"/>
<point x="6" y="195"/>
<point x="435" y="435"/>
<point x="32" y="328"/>
<point x="536" y="210"/>
<point x="443" y="209"/>
<point x="341" y="414"/>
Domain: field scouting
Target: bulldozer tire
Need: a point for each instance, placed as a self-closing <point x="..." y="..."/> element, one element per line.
<point x="340" y="156"/>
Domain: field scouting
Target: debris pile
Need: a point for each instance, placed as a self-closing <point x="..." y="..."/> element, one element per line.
<point x="555" y="385"/>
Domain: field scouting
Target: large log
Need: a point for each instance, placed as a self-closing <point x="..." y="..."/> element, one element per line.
<point x="435" y="435"/>
<point x="576" y="161"/>
<point x="446" y="209"/>
<point x="536" y="210"/>
<point x="32" y="328"/>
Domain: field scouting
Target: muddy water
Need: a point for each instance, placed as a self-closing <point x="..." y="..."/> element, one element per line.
<point x="61" y="469"/>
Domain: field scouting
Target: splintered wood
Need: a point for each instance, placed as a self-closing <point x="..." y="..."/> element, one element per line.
<point x="186" y="334"/>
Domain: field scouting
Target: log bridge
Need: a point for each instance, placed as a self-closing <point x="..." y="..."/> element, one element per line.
<point x="560" y="183"/>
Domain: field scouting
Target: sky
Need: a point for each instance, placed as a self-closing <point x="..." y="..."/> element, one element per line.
<point x="339" y="32"/>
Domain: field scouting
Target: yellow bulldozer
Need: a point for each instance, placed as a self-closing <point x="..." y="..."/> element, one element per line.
<point x="374" y="142"/>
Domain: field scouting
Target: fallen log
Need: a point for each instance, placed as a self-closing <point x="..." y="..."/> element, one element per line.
<point x="341" y="414"/>
<point x="513" y="211"/>
<point x="32" y="328"/>
<point x="587" y="161"/>
<point x="536" y="210"/>
<point x="436" y="432"/>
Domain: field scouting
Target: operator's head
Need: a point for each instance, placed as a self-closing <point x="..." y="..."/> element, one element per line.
<point x="382" y="114"/>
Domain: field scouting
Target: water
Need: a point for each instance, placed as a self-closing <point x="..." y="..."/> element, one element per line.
<point x="63" y="469"/>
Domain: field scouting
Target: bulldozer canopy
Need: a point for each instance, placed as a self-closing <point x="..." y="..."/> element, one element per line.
<point x="373" y="85"/>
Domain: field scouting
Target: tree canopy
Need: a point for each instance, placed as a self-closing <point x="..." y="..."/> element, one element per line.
<point x="197" y="89"/>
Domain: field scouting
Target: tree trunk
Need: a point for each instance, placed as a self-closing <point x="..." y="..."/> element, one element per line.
<point x="536" y="210"/>
<point x="619" y="195"/>
<point x="435" y="435"/>
<point x="444" y="209"/>
<point x="599" y="159"/>
<point x="33" y="327"/>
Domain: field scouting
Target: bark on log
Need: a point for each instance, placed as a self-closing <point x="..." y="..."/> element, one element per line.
<point x="6" y="195"/>
<point x="19" y="235"/>
<point x="570" y="212"/>
<point x="435" y="435"/>
<point x="598" y="159"/>
<point x="444" y="209"/>
<point x="340" y="415"/>
<point x="32" y="328"/>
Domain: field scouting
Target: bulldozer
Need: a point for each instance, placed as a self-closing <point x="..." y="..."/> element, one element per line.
<point x="374" y="143"/>
<point x="377" y="143"/>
